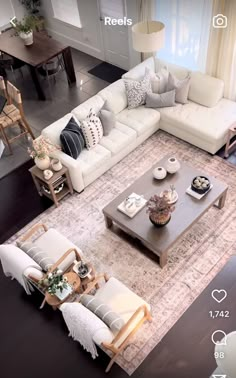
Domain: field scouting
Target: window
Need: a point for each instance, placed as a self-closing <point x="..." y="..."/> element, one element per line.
<point x="6" y="13"/>
<point x="187" y="27"/>
<point x="67" y="11"/>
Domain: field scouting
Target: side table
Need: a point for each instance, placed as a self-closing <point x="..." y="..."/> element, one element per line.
<point x="47" y="187"/>
<point x="74" y="281"/>
<point x="231" y="133"/>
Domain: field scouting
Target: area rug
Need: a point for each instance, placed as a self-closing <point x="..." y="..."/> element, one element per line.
<point x="193" y="261"/>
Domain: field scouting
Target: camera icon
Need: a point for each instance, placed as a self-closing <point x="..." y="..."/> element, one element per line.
<point x="219" y="21"/>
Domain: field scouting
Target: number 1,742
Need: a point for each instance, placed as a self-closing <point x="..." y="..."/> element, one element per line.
<point x="219" y="314"/>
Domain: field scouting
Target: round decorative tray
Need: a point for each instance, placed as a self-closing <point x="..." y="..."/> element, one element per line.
<point x="57" y="190"/>
<point x="171" y="198"/>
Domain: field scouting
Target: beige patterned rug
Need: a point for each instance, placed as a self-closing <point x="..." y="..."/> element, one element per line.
<point x="192" y="262"/>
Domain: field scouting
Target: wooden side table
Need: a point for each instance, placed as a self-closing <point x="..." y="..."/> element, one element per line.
<point x="231" y="133"/>
<point x="74" y="281"/>
<point x="47" y="187"/>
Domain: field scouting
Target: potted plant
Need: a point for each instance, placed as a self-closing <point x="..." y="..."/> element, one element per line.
<point x="54" y="281"/>
<point x="41" y="148"/>
<point x="25" y="27"/>
<point x="159" y="210"/>
<point x="32" y="6"/>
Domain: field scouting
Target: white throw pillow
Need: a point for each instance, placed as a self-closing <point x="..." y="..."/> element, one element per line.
<point x="158" y="80"/>
<point x="181" y="88"/>
<point x="137" y="91"/>
<point x="92" y="130"/>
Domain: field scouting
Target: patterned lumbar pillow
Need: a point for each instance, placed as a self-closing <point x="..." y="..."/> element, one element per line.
<point x="181" y="88"/>
<point x="37" y="254"/>
<point x="104" y="312"/>
<point x="72" y="139"/>
<point x="162" y="100"/>
<point x="107" y="118"/>
<point x="92" y="130"/>
<point x="137" y="91"/>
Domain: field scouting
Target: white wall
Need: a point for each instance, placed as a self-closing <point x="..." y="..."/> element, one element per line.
<point x="8" y="9"/>
<point x="89" y="38"/>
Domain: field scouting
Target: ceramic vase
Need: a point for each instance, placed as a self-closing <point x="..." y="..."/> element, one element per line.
<point x="56" y="165"/>
<point x="27" y="38"/>
<point x="159" y="220"/>
<point x="42" y="163"/>
<point x="172" y="165"/>
<point x="159" y="173"/>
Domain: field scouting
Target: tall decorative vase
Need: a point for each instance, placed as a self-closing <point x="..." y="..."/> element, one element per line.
<point x="27" y="38"/>
<point x="42" y="163"/>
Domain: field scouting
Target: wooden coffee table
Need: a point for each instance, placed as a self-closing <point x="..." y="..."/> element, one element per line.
<point x="187" y="209"/>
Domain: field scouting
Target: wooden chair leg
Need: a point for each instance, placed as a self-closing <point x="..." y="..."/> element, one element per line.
<point x="6" y="139"/>
<point x="108" y="368"/>
<point x="28" y="128"/>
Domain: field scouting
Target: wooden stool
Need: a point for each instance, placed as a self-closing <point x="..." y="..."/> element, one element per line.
<point x="231" y="134"/>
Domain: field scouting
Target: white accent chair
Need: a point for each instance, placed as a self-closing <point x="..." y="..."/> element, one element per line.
<point x="128" y="305"/>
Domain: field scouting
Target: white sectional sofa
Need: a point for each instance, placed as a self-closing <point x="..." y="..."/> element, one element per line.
<point x="203" y="122"/>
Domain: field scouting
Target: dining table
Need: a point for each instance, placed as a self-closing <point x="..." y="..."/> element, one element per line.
<point x="43" y="49"/>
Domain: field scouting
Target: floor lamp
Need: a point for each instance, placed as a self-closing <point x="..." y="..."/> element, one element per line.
<point x="148" y="37"/>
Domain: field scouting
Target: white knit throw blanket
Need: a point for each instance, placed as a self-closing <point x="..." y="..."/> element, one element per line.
<point x="82" y="324"/>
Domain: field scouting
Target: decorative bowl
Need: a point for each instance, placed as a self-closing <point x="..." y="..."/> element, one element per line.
<point x="200" y="184"/>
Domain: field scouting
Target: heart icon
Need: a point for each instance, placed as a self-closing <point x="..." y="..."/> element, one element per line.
<point x="219" y="295"/>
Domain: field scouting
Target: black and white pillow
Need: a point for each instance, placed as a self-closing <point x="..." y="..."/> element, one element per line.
<point x="72" y="139"/>
<point x="137" y="91"/>
<point x="92" y="130"/>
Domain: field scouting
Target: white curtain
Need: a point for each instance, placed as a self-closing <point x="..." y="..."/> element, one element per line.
<point x="221" y="58"/>
<point x="146" y="12"/>
<point x="187" y="31"/>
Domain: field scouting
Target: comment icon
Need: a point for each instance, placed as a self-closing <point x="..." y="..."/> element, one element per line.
<point x="219" y="337"/>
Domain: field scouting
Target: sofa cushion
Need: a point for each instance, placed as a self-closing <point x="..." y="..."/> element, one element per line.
<point x="181" y="88"/>
<point x="54" y="130"/>
<point x="209" y="124"/>
<point x="205" y="90"/>
<point x="38" y="254"/>
<point x="56" y="245"/>
<point x="72" y="139"/>
<point x="82" y="111"/>
<point x="92" y="130"/>
<point x="93" y="159"/>
<point x="119" y="138"/>
<point x="155" y="100"/>
<point x="115" y="95"/>
<point x="179" y="71"/>
<point x="140" y="119"/>
<point x="104" y="312"/>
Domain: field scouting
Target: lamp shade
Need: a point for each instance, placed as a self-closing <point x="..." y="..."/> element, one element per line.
<point x="148" y="36"/>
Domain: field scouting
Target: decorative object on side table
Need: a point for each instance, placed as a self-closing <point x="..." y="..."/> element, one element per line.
<point x="56" y="165"/>
<point x="41" y="148"/>
<point x="170" y="194"/>
<point x="172" y="165"/>
<point x="159" y="173"/>
<point x="82" y="269"/>
<point x="159" y="210"/>
<point x="47" y="173"/>
<point x="54" y="283"/>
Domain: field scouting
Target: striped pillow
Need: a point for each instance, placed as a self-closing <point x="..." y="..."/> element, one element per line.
<point x="104" y="312"/>
<point x="72" y="139"/>
<point x="37" y="254"/>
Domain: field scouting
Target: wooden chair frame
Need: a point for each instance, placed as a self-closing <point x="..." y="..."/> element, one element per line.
<point x="111" y="346"/>
<point x="23" y="124"/>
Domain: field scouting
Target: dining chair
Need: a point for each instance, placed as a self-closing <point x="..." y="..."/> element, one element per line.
<point x="13" y="114"/>
<point x="51" y="69"/>
<point x="10" y="63"/>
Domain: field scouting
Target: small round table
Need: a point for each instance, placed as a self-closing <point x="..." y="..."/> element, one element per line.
<point x="74" y="281"/>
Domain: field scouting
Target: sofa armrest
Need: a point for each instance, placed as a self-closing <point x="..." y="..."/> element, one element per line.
<point x="137" y="73"/>
<point x="74" y="169"/>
